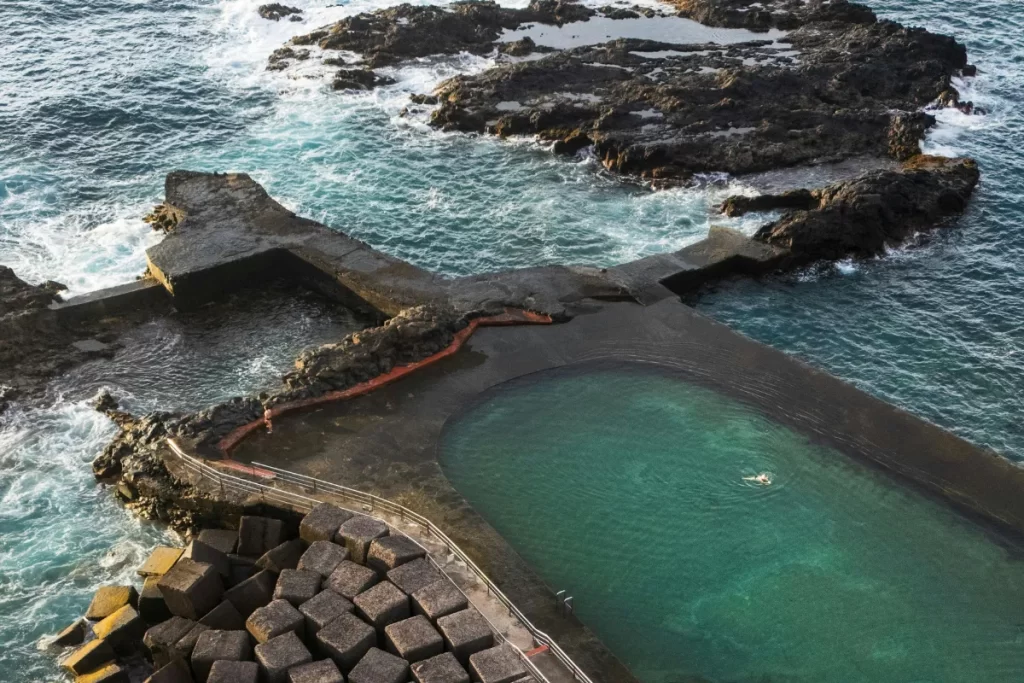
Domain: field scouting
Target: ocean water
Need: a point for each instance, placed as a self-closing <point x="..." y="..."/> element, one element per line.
<point x="101" y="98"/>
<point x="690" y="571"/>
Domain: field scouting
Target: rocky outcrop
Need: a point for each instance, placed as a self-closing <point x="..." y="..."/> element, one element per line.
<point x="864" y="216"/>
<point x="34" y="346"/>
<point x="276" y="11"/>
<point x="839" y="83"/>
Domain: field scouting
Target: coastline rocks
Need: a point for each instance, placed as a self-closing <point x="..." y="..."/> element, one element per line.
<point x="864" y="216"/>
<point x="359" y="79"/>
<point x="275" y="11"/>
<point x="283" y="57"/>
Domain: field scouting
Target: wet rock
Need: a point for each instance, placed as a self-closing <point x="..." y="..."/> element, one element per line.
<point x="283" y="57"/>
<point x="345" y="640"/>
<point x="359" y="79"/>
<point x="104" y="402"/>
<point x="413" y="639"/>
<point x="378" y="666"/>
<point x="864" y="216"/>
<point x="443" y="668"/>
<point x="382" y="604"/>
<point x="73" y="634"/>
<point x="275" y="11"/>
<point x="279" y="654"/>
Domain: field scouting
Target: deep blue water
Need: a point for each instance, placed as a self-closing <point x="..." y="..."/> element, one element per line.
<point x="100" y="98"/>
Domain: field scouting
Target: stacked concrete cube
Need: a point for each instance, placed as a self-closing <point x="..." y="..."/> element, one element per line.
<point x="465" y="633"/>
<point x="191" y="589"/>
<point x="322" y="523"/>
<point x="234" y="672"/>
<point x="322" y="609"/>
<point x="413" y="639"/>
<point x="444" y="668"/>
<point x="392" y="551"/>
<point x="351" y="579"/>
<point x="214" y="646"/>
<point x="323" y="671"/>
<point x="345" y="640"/>
<point x="272" y="620"/>
<point x="383" y="604"/>
<point x="378" y="666"/>
<point x="279" y="654"/>
<point x="358" y="533"/>
<point x="496" y="665"/>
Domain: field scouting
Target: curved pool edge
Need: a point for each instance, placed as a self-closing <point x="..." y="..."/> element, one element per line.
<point x="387" y="442"/>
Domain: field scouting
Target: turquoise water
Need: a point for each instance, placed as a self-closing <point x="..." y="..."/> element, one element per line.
<point x="625" y="487"/>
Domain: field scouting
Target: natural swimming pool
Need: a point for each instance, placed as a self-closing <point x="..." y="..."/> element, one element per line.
<point x="624" y="485"/>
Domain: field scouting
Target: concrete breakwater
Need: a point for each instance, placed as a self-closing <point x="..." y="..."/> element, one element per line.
<point x="341" y="594"/>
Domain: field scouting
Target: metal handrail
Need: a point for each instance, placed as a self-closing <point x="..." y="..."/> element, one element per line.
<point x="228" y="481"/>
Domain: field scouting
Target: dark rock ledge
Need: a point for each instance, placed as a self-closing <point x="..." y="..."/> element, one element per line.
<point x="838" y="84"/>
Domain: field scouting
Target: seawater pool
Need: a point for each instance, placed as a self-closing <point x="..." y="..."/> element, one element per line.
<point x="625" y="485"/>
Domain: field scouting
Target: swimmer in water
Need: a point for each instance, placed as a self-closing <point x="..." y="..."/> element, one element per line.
<point x="764" y="479"/>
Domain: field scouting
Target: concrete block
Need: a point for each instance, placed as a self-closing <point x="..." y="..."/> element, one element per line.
<point x="279" y="654"/>
<point x="191" y="589"/>
<point x="345" y="640"/>
<point x="160" y="561"/>
<point x="323" y="522"/>
<point x="274" y="619"/>
<point x="413" y="639"/>
<point x="351" y="579"/>
<point x="439" y="599"/>
<point x="414" y="575"/>
<point x="184" y="647"/>
<point x="253" y="593"/>
<point x="214" y="646"/>
<point x="152" y="606"/>
<point x="234" y="672"/>
<point x="378" y="666"/>
<point x="76" y="632"/>
<point x="496" y="665"/>
<point x="109" y="599"/>
<point x="297" y="586"/>
<point x="383" y="604"/>
<point x="242" y="568"/>
<point x="465" y="633"/>
<point x="176" y="671"/>
<point x="358" y="533"/>
<point x="443" y="668"/>
<point x="160" y="640"/>
<point x="224" y="540"/>
<point x="109" y="673"/>
<point x="392" y="551"/>
<point x="123" y="630"/>
<point x="284" y="556"/>
<point x="224" y="617"/>
<point x="90" y="656"/>
<point x="322" y="609"/>
<point x="323" y="557"/>
<point x="324" y="671"/>
<point x="197" y="551"/>
<point x="257" y="535"/>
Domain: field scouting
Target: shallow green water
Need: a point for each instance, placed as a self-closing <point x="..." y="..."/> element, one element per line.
<point x="625" y="487"/>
